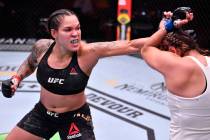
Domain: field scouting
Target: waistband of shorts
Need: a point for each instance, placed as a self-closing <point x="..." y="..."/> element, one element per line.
<point x="43" y="109"/>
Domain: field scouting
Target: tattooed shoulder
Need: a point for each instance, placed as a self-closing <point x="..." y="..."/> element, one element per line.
<point x="38" y="50"/>
<point x="41" y="46"/>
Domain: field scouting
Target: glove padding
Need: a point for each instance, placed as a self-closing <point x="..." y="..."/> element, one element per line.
<point x="180" y="13"/>
<point x="169" y="25"/>
<point x="6" y="88"/>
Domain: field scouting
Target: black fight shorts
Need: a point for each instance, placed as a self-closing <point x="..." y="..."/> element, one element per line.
<point x="73" y="125"/>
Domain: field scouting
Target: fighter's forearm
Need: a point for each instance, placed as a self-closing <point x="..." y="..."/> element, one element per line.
<point x="156" y="38"/>
<point x="138" y="43"/>
<point x="120" y="47"/>
<point x="26" y="68"/>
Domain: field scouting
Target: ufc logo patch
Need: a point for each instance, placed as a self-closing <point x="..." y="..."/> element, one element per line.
<point x="53" y="114"/>
<point x="55" y="80"/>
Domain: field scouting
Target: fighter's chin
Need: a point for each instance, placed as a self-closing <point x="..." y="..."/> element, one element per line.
<point x="74" y="48"/>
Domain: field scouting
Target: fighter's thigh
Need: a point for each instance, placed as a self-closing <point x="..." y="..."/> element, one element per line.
<point x="36" y="123"/>
<point x="20" y="134"/>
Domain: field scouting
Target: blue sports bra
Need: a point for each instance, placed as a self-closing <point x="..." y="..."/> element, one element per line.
<point x="67" y="81"/>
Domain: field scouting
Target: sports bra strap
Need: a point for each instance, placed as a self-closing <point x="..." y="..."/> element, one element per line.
<point x="197" y="62"/>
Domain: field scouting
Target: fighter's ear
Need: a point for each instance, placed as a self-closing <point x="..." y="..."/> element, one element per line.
<point x="53" y="33"/>
<point x="172" y="49"/>
<point x="175" y="50"/>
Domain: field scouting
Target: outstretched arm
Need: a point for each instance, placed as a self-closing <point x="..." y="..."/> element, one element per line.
<point x="120" y="47"/>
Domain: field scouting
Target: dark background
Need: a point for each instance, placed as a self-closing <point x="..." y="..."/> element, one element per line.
<point x="27" y="18"/>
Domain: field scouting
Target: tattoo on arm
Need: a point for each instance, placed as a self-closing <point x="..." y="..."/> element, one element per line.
<point x="107" y="44"/>
<point x="31" y="63"/>
<point x="104" y="45"/>
<point x="113" y="48"/>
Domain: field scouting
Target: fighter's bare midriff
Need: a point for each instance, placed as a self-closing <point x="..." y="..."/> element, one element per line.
<point x="62" y="103"/>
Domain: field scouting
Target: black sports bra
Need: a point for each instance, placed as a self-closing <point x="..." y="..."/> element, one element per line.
<point x="67" y="81"/>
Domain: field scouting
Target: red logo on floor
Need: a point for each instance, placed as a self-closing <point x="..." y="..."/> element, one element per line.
<point x="73" y="129"/>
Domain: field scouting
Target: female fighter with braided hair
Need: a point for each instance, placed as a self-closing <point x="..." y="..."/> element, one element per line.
<point x="63" y="65"/>
<point x="186" y="70"/>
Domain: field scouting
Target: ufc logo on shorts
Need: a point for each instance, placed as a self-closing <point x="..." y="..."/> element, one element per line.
<point x="55" y="80"/>
<point x="53" y="114"/>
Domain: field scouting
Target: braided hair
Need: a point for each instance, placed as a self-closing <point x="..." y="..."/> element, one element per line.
<point x="55" y="18"/>
<point x="185" y="40"/>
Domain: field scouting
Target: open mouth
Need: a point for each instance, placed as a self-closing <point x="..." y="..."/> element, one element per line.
<point x="75" y="41"/>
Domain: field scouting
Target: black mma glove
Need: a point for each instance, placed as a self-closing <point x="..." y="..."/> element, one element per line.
<point x="178" y="15"/>
<point x="6" y="86"/>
